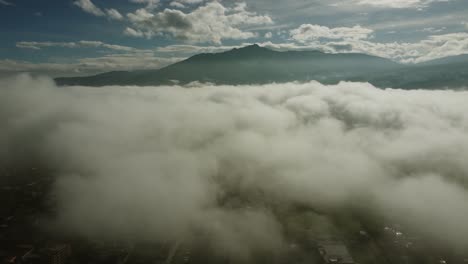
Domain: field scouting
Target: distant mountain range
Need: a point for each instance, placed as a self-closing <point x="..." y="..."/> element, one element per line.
<point x="257" y="65"/>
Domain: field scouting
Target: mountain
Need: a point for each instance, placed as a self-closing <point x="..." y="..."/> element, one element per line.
<point x="251" y="64"/>
<point x="257" y="65"/>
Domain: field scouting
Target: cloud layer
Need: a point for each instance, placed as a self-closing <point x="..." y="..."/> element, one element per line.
<point x="166" y="163"/>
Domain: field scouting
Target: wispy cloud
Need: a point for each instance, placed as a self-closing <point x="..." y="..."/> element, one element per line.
<point x="150" y="4"/>
<point x="192" y="49"/>
<point x="308" y="32"/>
<point x="452" y="18"/>
<point x="114" y="14"/>
<point x="4" y="2"/>
<point x="78" y="44"/>
<point x="397" y="3"/>
<point x="121" y="58"/>
<point x="89" y="7"/>
<point x="88" y="66"/>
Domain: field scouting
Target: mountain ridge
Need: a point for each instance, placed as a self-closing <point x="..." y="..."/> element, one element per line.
<point x="254" y="64"/>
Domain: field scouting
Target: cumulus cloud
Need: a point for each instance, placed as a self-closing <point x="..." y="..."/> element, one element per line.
<point x="211" y="22"/>
<point x="359" y="39"/>
<point x="170" y="163"/>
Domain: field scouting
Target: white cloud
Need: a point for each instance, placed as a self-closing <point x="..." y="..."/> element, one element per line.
<point x="89" y="7"/>
<point x="357" y="39"/>
<point x="308" y="32"/>
<point x="191" y="1"/>
<point x="177" y="4"/>
<point x="127" y="61"/>
<point x="434" y="47"/>
<point x="268" y="35"/>
<point x="397" y="3"/>
<point x="79" y="44"/>
<point x="433" y="29"/>
<point x="89" y="66"/>
<point x="192" y="49"/>
<point x="125" y="58"/>
<point x="185" y="3"/>
<point x="166" y="156"/>
<point x="436" y="20"/>
<point x="208" y="23"/>
<point x="4" y="2"/>
<point x="114" y="14"/>
<point x="150" y="4"/>
<point x="133" y="33"/>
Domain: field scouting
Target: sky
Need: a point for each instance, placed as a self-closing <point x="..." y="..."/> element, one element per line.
<point x="81" y="37"/>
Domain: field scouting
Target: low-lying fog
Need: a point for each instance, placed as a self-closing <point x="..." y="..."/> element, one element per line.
<point x="164" y="163"/>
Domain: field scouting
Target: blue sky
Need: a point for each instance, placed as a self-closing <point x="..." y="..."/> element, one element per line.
<point x="79" y="37"/>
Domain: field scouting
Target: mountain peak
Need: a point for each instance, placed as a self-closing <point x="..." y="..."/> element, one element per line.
<point x="252" y="47"/>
